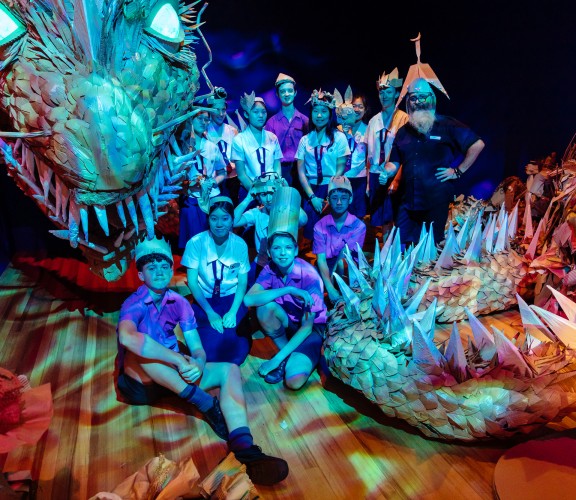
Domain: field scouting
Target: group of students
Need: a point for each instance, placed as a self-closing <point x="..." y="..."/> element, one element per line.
<point x="243" y="180"/>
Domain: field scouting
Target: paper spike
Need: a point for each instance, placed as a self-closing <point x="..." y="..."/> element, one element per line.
<point x="338" y="97"/>
<point x="567" y="305"/>
<point x="400" y="324"/>
<point x="430" y="252"/>
<point x="362" y="260"/>
<point x="349" y="95"/>
<point x="413" y="304"/>
<point x="387" y="245"/>
<point x="396" y="248"/>
<point x="428" y="320"/>
<point x="502" y="240"/>
<point x="527" y="222"/>
<point x="562" y="328"/>
<point x="355" y="277"/>
<point x="423" y="232"/>
<point x="351" y="300"/>
<point x="500" y="219"/>
<point x="376" y="263"/>
<point x="488" y="234"/>
<point x="532" y="324"/>
<point x="462" y="238"/>
<point x="474" y="252"/>
<point x="454" y="354"/>
<point x="88" y="27"/>
<point x="446" y="258"/>
<point x="424" y="351"/>
<point x="513" y="222"/>
<point x="380" y="298"/>
<point x="533" y="247"/>
<point x="509" y="356"/>
<point x="483" y="339"/>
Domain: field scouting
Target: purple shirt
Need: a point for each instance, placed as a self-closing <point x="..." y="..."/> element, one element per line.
<point x="289" y="133"/>
<point x="330" y="241"/>
<point x="304" y="276"/>
<point x="157" y="323"/>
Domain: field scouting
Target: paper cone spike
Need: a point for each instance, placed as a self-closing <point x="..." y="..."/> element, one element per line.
<point x="376" y="264"/>
<point x="399" y="322"/>
<point x="527" y="222"/>
<point x="454" y="354"/>
<point x="380" y="298"/>
<point x="387" y="245"/>
<point x="355" y="276"/>
<point x="532" y="324"/>
<point x="502" y="240"/>
<point x="562" y="328"/>
<point x="500" y="219"/>
<point x="446" y="258"/>
<point x="568" y="306"/>
<point x="533" y="247"/>
<point x="413" y="304"/>
<point x="396" y="248"/>
<point x="351" y="300"/>
<point x="488" y="235"/>
<point x="508" y="354"/>
<point x="424" y="352"/>
<point x="513" y="222"/>
<point x="474" y="252"/>
<point x="462" y="238"/>
<point x="483" y="339"/>
<point x="430" y="252"/>
<point x="362" y="260"/>
<point x="428" y="321"/>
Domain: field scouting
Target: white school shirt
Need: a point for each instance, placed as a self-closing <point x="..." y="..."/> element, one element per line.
<point x="358" y="153"/>
<point x="372" y="136"/>
<point x="223" y="139"/>
<point x="258" y="218"/>
<point x="245" y="148"/>
<point x="207" y="162"/>
<point x="200" y="253"/>
<point x="329" y="156"/>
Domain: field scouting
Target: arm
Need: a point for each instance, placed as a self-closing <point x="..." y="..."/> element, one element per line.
<point x="213" y="317"/>
<point x="322" y="265"/>
<point x="302" y="218"/>
<point x="258" y="296"/>
<point x="197" y="358"/>
<point x="390" y="170"/>
<point x="317" y="203"/>
<point x="220" y="176"/>
<point x="239" y="219"/>
<point x="472" y="153"/>
<point x="340" y="165"/>
<point x="277" y="167"/>
<point x="229" y="319"/>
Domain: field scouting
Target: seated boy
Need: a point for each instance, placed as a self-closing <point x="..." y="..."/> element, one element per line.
<point x="262" y="191"/>
<point x="334" y="231"/>
<point x="289" y="299"/>
<point x="151" y="365"/>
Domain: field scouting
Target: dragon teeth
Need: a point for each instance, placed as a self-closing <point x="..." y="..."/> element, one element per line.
<point x="102" y="217"/>
<point x="146" y="210"/>
<point x="129" y="202"/>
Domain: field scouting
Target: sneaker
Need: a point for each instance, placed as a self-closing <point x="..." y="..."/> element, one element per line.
<point x="215" y="419"/>
<point x="261" y="468"/>
<point x="276" y="375"/>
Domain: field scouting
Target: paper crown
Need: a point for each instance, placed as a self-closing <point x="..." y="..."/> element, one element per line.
<point x="270" y="181"/>
<point x="283" y="78"/>
<point x="340" y="182"/>
<point x="218" y="94"/>
<point x="155" y="245"/>
<point x="323" y="98"/>
<point x="218" y="199"/>
<point x="390" y="80"/>
<point x="344" y="109"/>
<point x="285" y="212"/>
<point x="247" y="101"/>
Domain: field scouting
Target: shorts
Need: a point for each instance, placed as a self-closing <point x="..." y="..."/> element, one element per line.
<point x="137" y="393"/>
<point x="312" y="345"/>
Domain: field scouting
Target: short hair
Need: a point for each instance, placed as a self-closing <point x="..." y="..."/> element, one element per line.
<point x="152" y="257"/>
<point x="224" y="205"/>
<point x="277" y="235"/>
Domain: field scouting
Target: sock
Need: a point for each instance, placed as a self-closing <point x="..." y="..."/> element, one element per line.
<point x="200" y="399"/>
<point x="240" y="439"/>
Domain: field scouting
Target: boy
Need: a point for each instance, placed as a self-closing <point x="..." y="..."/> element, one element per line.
<point x="334" y="231"/>
<point x="288" y="296"/>
<point x="151" y="365"/>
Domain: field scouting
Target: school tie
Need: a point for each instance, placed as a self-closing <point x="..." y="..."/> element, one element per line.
<point x="199" y="164"/>
<point x="383" y="137"/>
<point x="217" y="280"/>
<point x="261" y="155"/>
<point x="222" y="146"/>
<point x="318" y="153"/>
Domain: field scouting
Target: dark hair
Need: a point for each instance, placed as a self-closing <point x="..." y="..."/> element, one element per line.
<point x="330" y="127"/>
<point x="277" y="86"/>
<point x="224" y="205"/>
<point x="151" y="257"/>
<point x="256" y="102"/>
<point x="362" y="97"/>
<point x="271" y="239"/>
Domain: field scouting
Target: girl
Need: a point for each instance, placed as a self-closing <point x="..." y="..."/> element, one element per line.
<point x="217" y="262"/>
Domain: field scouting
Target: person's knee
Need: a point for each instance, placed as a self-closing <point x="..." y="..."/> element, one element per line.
<point x="296" y="382"/>
<point x="270" y="319"/>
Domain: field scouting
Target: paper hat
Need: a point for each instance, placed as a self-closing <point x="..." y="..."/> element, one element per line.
<point x="344" y="109"/>
<point x="340" y="182"/>
<point x="283" y="78"/>
<point x="218" y="94"/>
<point x="285" y="212"/>
<point x="155" y="245"/>
<point x="247" y="101"/>
<point x="323" y="98"/>
<point x="390" y="80"/>
<point x="267" y="182"/>
<point x="218" y="199"/>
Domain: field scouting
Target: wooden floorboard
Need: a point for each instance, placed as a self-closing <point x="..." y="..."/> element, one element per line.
<point x="58" y="327"/>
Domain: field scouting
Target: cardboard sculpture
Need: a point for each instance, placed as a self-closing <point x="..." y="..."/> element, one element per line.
<point x="95" y="94"/>
<point x="487" y="386"/>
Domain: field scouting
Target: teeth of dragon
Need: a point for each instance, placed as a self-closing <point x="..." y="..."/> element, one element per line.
<point x="102" y="217"/>
<point x="45" y="175"/>
<point x="121" y="214"/>
<point x="61" y="195"/>
<point x="129" y="202"/>
<point x="146" y="210"/>
<point x="29" y="159"/>
<point x="73" y="223"/>
<point x="118" y="241"/>
<point x="84" y="220"/>
<point x="153" y="194"/>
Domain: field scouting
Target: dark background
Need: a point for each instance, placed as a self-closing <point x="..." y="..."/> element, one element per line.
<point x="509" y="68"/>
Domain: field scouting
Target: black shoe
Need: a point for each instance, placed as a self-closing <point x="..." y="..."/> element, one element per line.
<point x="261" y="468"/>
<point x="276" y="375"/>
<point x="215" y="419"/>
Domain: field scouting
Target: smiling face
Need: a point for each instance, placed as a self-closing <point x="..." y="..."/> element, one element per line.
<point x="156" y="275"/>
<point x="257" y="115"/>
<point x="200" y="123"/>
<point x="282" y="251"/>
<point x="388" y="96"/>
<point x="320" y="115"/>
<point x="286" y="93"/>
<point x="220" y="223"/>
<point x="220" y="115"/>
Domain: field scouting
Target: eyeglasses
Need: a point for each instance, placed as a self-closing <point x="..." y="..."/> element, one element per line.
<point x="419" y="97"/>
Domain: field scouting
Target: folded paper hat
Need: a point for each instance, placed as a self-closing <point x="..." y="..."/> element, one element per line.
<point x="285" y="212"/>
<point x="155" y="245"/>
<point x="218" y="94"/>
<point x="267" y="182"/>
<point x="247" y="101"/>
<point x="340" y="182"/>
<point x="283" y="78"/>
<point x="390" y="80"/>
<point x="323" y="98"/>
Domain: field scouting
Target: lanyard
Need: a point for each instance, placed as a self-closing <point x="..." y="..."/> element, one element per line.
<point x="352" y="145"/>
<point x="318" y="154"/>
<point x="383" y="137"/>
<point x="262" y="160"/>
<point x="217" y="280"/>
<point x="222" y="146"/>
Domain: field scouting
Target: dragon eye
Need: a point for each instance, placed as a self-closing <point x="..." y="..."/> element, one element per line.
<point x="164" y="23"/>
<point x="10" y="27"/>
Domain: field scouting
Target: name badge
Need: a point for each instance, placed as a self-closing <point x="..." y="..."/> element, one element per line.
<point x="435" y="137"/>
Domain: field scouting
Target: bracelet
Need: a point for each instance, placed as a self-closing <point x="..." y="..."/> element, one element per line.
<point x="312" y="196"/>
<point x="457" y="172"/>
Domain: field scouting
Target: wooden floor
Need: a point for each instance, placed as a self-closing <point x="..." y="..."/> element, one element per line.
<point x="58" y="327"/>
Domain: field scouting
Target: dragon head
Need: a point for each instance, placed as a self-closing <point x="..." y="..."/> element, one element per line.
<point x="95" y="92"/>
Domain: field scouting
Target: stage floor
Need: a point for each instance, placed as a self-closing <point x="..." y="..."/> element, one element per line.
<point x="58" y="327"/>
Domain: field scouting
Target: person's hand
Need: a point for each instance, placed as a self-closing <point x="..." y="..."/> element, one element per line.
<point x="383" y="178"/>
<point x="215" y="321"/>
<point x="303" y="295"/>
<point x="334" y="295"/>
<point x="317" y="204"/>
<point x="229" y="319"/>
<point x="394" y="185"/>
<point x="445" y="174"/>
<point x="190" y="370"/>
<point x="266" y="367"/>
<point x="251" y="192"/>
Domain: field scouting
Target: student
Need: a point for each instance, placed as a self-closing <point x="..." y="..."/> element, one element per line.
<point x="152" y="366"/>
<point x="262" y="191"/>
<point x="207" y="166"/>
<point x="321" y="154"/>
<point x="218" y="265"/>
<point x="288" y="297"/>
<point x="255" y="151"/>
<point x="334" y="231"/>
